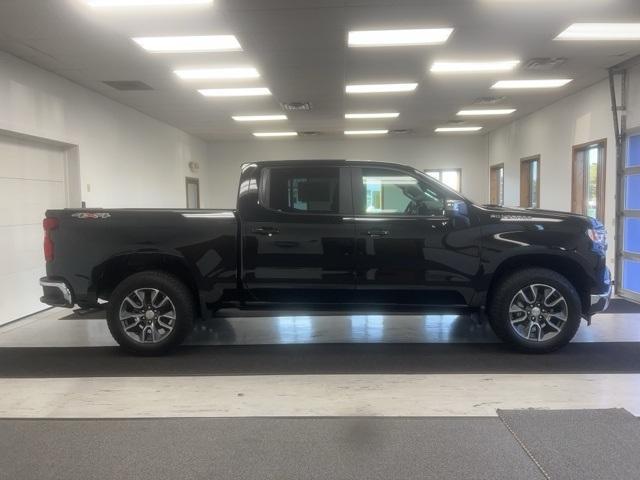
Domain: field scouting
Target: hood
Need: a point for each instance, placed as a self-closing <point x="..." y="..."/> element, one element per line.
<point x="527" y="213"/>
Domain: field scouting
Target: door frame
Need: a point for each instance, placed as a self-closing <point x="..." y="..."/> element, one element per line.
<point x="192" y="181"/>
<point x="529" y="160"/>
<point x="492" y="169"/>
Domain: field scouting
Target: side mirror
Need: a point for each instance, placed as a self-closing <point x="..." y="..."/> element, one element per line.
<point x="457" y="208"/>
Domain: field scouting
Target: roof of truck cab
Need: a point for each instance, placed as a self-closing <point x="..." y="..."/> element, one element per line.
<point x="326" y="162"/>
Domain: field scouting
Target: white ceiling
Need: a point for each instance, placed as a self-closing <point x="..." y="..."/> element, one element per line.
<point x="299" y="47"/>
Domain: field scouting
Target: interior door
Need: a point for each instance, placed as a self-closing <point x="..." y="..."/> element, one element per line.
<point x="409" y="250"/>
<point x="298" y="245"/>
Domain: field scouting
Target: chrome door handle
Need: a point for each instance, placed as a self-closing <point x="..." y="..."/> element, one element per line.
<point x="268" y="231"/>
<point x="378" y="233"/>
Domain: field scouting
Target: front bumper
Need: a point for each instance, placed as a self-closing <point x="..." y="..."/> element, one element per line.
<point x="600" y="301"/>
<point x="56" y="292"/>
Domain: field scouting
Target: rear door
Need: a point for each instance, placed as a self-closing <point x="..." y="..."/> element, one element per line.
<point x="298" y="244"/>
<point x="409" y="250"/>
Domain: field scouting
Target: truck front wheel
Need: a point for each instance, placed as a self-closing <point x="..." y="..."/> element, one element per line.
<point x="535" y="310"/>
<point x="149" y="313"/>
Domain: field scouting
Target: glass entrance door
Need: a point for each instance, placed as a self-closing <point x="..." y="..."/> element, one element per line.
<point x="629" y="260"/>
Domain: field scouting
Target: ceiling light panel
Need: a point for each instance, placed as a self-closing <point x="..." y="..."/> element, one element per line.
<point x="396" y="38"/>
<point x="146" y="3"/>
<point x="217" y="73"/>
<point x="275" y="134"/>
<point x="457" y="129"/>
<point x="357" y="116"/>
<point x="474" y="67"/>
<point x="524" y="84"/>
<point x="486" y="112"/>
<point x="382" y="88"/>
<point x="235" y="92"/>
<point x="601" y="31"/>
<point x="192" y="44"/>
<point x="259" y="118"/>
<point x="366" y="132"/>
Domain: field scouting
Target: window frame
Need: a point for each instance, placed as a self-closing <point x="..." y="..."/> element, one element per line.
<point x="442" y="170"/>
<point x="357" y="189"/>
<point x="345" y="199"/>
<point x="500" y="194"/>
<point x="526" y="163"/>
<point x="601" y="180"/>
<point x="192" y="181"/>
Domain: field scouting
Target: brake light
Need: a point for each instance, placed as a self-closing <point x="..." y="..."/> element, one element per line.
<point x="49" y="224"/>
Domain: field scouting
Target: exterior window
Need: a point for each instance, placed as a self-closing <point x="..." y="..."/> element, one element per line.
<point x="193" y="192"/>
<point x="301" y="189"/>
<point x="451" y="177"/>
<point x="391" y="192"/>
<point x="587" y="191"/>
<point x="530" y="182"/>
<point x="497" y="185"/>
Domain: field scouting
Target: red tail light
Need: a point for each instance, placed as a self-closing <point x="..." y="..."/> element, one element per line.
<point x="49" y="224"/>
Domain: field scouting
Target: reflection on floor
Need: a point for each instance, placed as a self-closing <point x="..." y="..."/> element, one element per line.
<point x="57" y="328"/>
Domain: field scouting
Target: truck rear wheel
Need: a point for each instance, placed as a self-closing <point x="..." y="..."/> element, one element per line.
<point x="535" y="310"/>
<point x="149" y="313"/>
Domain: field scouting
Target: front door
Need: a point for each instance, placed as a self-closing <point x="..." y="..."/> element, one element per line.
<point x="298" y="245"/>
<point x="409" y="249"/>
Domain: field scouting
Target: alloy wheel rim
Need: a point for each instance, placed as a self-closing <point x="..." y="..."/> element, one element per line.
<point x="538" y="312"/>
<point x="147" y="315"/>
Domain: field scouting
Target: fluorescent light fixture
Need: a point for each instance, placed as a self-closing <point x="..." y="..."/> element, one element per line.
<point x="202" y="43"/>
<point x="457" y="129"/>
<point x="258" y="118"/>
<point x="486" y="112"/>
<point x="235" y="92"/>
<point x="474" y="67"/>
<point x="395" y="38"/>
<point x="146" y="3"/>
<point x="601" y="31"/>
<point x="521" y="84"/>
<point x="356" y="116"/>
<point x="382" y="88"/>
<point x="217" y="73"/>
<point x="366" y="132"/>
<point x="275" y="134"/>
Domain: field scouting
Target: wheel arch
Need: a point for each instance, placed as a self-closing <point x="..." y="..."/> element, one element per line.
<point x="565" y="266"/>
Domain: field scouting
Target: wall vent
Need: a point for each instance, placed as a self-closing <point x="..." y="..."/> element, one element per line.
<point x="128" y="85"/>
<point x="296" y="106"/>
<point x="309" y="134"/>
<point x="401" y="131"/>
<point x="489" y="100"/>
<point x="544" y="64"/>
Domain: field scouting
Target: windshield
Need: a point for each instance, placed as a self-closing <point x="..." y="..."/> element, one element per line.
<point x="451" y="193"/>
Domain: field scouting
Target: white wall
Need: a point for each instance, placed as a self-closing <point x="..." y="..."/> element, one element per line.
<point x="551" y="133"/>
<point x="127" y="158"/>
<point x="466" y="152"/>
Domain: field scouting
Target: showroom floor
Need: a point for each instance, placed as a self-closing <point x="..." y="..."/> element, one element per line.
<point x="359" y="396"/>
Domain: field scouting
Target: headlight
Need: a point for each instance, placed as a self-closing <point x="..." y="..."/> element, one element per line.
<point x="598" y="236"/>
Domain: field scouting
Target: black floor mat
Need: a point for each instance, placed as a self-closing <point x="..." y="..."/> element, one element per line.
<point x="579" y="444"/>
<point x="310" y="359"/>
<point x="620" y="305"/>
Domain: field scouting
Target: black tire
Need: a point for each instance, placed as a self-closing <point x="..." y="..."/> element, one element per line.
<point x="506" y="291"/>
<point x="178" y="294"/>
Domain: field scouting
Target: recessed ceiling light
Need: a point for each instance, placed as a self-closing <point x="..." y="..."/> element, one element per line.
<point x="474" y="67"/>
<point x="354" y="116"/>
<point x="258" y="118"/>
<point x="202" y="43"/>
<point x="393" y="38"/>
<point x="486" y="112"/>
<point x="366" y="132"/>
<point x="275" y="134"/>
<point x="545" y="83"/>
<point x="235" y="92"/>
<point x="457" y="129"/>
<point x="382" y="88"/>
<point x="146" y="3"/>
<point x="217" y="73"/>
<point x="601" y="31"/>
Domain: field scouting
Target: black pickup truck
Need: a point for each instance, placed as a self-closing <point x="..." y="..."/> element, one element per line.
<point x="329" y="234"/>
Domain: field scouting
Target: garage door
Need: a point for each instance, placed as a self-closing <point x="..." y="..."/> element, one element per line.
<point x="32" y="179"/>
<point x="629" y="261"/>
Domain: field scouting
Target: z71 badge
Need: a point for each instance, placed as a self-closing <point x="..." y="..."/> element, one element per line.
<point x="91" y="215"/>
